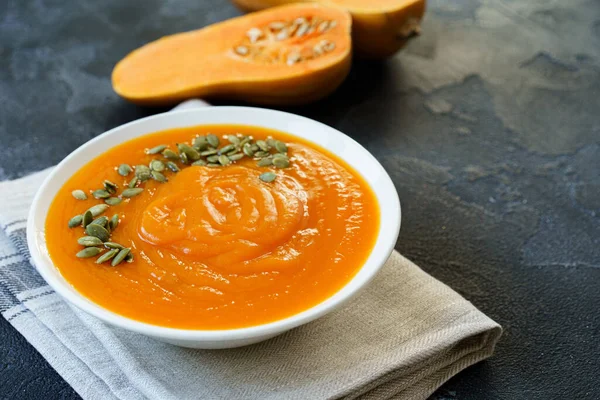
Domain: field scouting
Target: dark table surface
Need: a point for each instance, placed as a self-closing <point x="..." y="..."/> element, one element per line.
<point x="489" y="125"/>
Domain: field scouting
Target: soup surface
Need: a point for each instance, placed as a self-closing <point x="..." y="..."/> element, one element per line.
<point x="218" y="247"/>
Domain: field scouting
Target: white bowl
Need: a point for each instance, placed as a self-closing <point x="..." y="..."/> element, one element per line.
<point x="327" y="137"/>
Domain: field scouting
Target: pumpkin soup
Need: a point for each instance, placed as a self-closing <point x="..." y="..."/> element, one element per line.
<point x="212" y="227"/>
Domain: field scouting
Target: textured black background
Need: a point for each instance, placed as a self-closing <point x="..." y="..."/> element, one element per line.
<point x="489" y="125"/>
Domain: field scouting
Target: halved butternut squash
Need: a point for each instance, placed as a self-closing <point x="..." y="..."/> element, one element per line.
<point x="380" y="27"/>
<point x="292" y="54"/>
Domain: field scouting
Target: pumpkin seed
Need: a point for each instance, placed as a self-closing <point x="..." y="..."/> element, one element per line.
<point x="262" y="145"/>
<point x="79" y="194"/>
<point x="113" y="245"/>
<point x="100" y="194"/>
<point x="267" y="176"/>
<point x="281" y="162"/>
<point x="75" y="221"/>
<point x="234" y="140"/>
<point x="170" y="155"/>
<point x="199" y="163"/>
<point x="98" y="231"/>
<point x="88" y="252"/>
<point x="157" y="165"/>
<point x="212" y="140"/>
<point x="247" y="149"/>
<point x="235" y="157"/>
<point x="113" y="201"/>
<point x="88" y="241"/>
<point x="97" y="210"/>
<point x="124" y="170"/>
<point x="244" y="140"/>
<point x="130" y="192"/>
<point x="158" y="149"/>
<point x="110" y="187"/>
<point x="265" y="162"/>
<point x="209" y="152"/>
<point x="254" y="147"/>
<point x="107" y="256"/>
<point x="133" y="182"/>
<point x="212" y="159"/>
<point x="120" y="257"/>
<point x="102" y="221"/>
<point x="173" y="167"/>
<point x="261" y="154"/>
<point x="227" y="148"/>
<point x="241" y="50"/>
<point x="184" y="158"/>
<point x="191" y="153"/>
<point x="200" y="143"/>
<point x="129" y="257"/>
<point x="88" y="217"/>
<point x="213" y="165"/>
<point x="114" y="222"/>
<point x="142" y="172"/>
<point x="157" y="176"/>
<point x="224" y="160"/>
<point x="271" y="142"/>
<point x="281" y="147"/>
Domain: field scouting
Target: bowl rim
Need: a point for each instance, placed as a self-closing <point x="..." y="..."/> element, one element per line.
<point x="358" y="282"/>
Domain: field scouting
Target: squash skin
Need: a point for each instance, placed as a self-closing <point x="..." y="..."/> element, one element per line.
<point x="152" y="75"/>
<point x="376" y="34"/>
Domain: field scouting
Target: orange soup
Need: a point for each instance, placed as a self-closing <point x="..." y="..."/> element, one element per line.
<point x="200" y="235"/>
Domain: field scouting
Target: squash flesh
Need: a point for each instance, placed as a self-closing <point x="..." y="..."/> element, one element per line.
<point x="204" y="63"/>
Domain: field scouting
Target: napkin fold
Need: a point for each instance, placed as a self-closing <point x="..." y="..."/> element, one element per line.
<point x="401" y="338"/>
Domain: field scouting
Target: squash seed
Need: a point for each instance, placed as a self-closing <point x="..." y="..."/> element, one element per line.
<point x="75" y="221"/>
<point x="265" y="162"/>
<point x="158" y="149"/>
<point x="110" y="187"/>
<point x="212" y="159"/>
<point x="327" y="45"/>
<point x="79" y="194"/>
<point x="97" y="210"/>
<point x="133" y="182"/>
<point x="113" y="245"/>
<point x="302" y="29"/>
<point x="281" y="147"/>
<point x="107" y="256"/>
<point x="200" y="143"/>
<point x="89" y="241"/>
<point x="281" y="162"/>
<point x="332" y="24"/>
<point x="113" y="201"/>
<point x="100" y="194"/>
<point x="212" y="140"/>
<point x="88" y="252"/>
<point x="102" y="221"/>
<point x="200" y="163"/>
<point x="234" y="140"/>
<point x="120" y="257"/>
<point x="323" y="26"/>
<point x="235" y="157"/>
<point x="173" y="167"/>
<point x="262" y="145"/>
<point x="209" y="152"/>
<point x="247" y="149"/>
<point x="191" y="153"/>
<point x="157" y="165"/>
<point x="98" y="231"/>
<point x="142" y="172"/>
<point x="88" y="217"/>
<point x="130" y="192"/>
<point x="157" y="176"/>
<point x="293" y="58"/>
<point x="124" y="170"/>
<point x="114" y="222"/>
<point x="254" y="34"/>
<point x="170" y="155"/>
<point x="224" y="160"/>
<point x="241" y="50"/>
<point x="267" y="176"/>
<point x="277" y="25"/>
<point x="227" y="148"/>
<point x="213" y="165"/>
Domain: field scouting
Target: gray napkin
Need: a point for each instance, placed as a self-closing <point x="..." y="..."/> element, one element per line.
<point x="402" y="337"/>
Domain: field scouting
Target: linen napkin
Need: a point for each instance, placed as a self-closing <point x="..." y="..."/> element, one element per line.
<point x="401" y="338"/>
